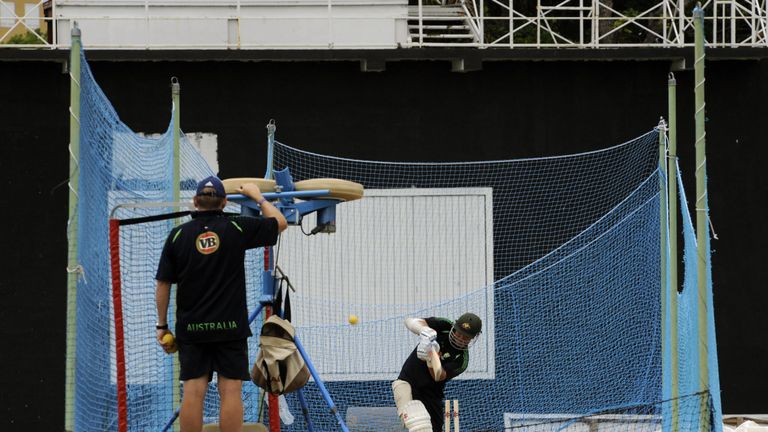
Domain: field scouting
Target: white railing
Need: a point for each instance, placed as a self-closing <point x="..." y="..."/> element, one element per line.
<point x="380" y="24"/>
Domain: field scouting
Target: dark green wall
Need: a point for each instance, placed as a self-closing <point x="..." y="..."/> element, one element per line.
<point x="415" y="110"/>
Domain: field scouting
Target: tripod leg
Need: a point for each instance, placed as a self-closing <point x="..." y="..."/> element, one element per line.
<point x="255" y="313"/>
<point x="305" y="410"/>
<point x="320" y="385"/>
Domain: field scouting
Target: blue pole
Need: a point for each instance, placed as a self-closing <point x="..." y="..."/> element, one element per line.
<point x="302" y="400"/>
<point x="173" y="419"/>
<point x="305" y="411"/>
<point x="255" y="313"/>
<point x="320" y="385"/>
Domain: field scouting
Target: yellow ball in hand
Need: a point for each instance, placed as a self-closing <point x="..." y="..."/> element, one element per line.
<point x="169" y="343"/>
<point x="167" y="339"/>
<point x="353" y="319"/>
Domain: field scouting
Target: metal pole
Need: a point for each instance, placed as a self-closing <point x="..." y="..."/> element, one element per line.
<point x="482" y="23"/>
<point x="702" y="210"/>
<point x="176" y="100"/>
<point x="511" y="23"/>
<point x="319" y="382"/>
<point x="673" y="260"/>
<point x="268" y="281"/>
<point x="581" y="22"/>
<point x="680" y="23"/>
<point x="664" y="21"/>
<point x="271" y="128"/>
<point x="421" y="24"/>
<point x="664" y="291"/>
<point x="330" y="23"/>
<point x="765" y="20"/>
<point x="146" y="24"/>
<point x="538" y="23"/>
<point x="305" y="410"/>
<point x="74" y="187"/>
<point x="733" y="23"/>
<point x="595" y="37"/>
<point x="753" y="23"/>
<point x="54" y="26"/>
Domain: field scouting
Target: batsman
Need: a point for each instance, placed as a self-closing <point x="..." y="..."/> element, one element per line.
<point x="441" y="355"/>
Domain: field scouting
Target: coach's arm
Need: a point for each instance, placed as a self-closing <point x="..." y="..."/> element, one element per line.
<point x="162" y="299"/>
<point x="253" y="192"/>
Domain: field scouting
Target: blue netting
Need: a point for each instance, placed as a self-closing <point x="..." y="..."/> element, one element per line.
<point x="119" y="166"/>
<point x="576" y="302"/>
<point x="559" y="256"/>
<point x="689" y="335"/>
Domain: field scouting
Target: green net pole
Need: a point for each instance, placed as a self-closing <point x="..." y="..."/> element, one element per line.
<point x="74" y="186"/>
<point x="672" y="202"/>
<point x="702" y="211"/>
<point x="176" y="98"/>
<point x="665" y="348"/>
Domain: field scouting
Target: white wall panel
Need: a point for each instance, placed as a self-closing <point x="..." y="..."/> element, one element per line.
<point x="393" y="249"/>
<point x="235" y="24"/>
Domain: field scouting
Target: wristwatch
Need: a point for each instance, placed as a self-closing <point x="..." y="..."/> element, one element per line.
<point x="161" y="327"/>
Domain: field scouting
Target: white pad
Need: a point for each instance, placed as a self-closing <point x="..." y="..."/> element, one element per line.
<point x="416" y="417"/>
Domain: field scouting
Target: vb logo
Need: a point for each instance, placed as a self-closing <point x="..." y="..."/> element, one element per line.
<point x="207" y="243"/>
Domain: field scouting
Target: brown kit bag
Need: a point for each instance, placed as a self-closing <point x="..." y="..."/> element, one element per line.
<point x="279" y="366"/>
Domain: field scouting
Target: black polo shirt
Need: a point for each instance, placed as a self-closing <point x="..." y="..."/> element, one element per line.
<point x="454" y="362"/>
<point x="205" y="257"/>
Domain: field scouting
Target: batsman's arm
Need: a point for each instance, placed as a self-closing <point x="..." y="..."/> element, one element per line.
<point x="415" y="325"/>
<point x="435" y="366"/>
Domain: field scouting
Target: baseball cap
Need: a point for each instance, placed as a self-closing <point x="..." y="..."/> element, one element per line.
<point x="211" y="182"/>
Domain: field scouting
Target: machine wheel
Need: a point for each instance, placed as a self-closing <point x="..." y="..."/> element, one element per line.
<point x="231" y="185"/>
<point x="339" y="189"/>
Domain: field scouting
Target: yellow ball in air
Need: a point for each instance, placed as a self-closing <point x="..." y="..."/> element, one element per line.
<point x="353" y="319"/>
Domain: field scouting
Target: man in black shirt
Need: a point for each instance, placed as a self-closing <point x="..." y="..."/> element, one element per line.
<point x="205" y="258"/>
<point x="441" y="355"/>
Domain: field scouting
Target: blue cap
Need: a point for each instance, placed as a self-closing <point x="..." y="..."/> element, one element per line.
<point x="211" y="182"/>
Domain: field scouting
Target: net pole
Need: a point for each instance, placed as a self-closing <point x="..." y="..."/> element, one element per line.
<point x="673" y="252"/>
<point x="72" y="221"/>
<point x="176" y="99"/>
<point x="663" y="258"/>
<point x="268" y="285"/>
<point x="702" y="211"/>
<point x="271" y="128"/>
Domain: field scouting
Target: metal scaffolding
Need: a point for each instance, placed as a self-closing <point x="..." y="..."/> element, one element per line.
<point x="381" y="24"/>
